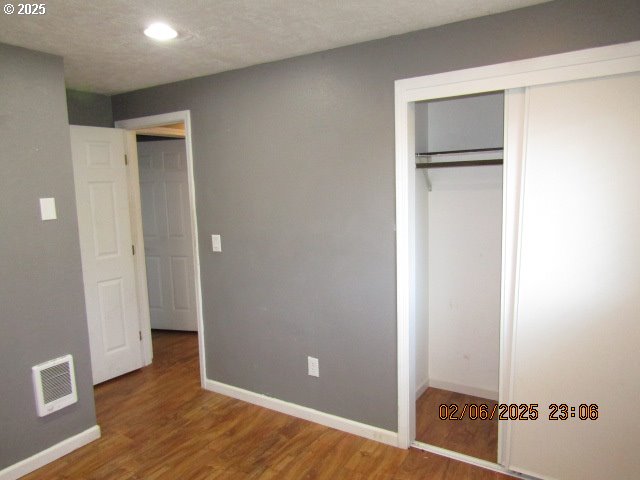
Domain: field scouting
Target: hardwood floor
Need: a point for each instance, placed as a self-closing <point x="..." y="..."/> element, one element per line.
<point x="158" y="424"/>
<point x="478" y="438"/>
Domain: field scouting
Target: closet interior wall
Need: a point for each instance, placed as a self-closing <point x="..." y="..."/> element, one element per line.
<point x="458" y="247"/>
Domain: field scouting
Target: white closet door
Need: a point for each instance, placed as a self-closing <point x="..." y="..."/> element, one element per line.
<point x="167" y="234"/>
<point x="578" y="317"/>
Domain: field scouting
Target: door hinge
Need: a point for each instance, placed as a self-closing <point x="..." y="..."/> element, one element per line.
<point x="133" y="249"/>
<point x="126" y="160"/>
<point x="140" y="335"/>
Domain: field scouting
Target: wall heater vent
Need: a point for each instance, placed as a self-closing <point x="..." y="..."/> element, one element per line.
<point x="54" y="383"/>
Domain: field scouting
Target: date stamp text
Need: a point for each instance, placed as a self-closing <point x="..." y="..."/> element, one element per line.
<point x="514" y="411"/>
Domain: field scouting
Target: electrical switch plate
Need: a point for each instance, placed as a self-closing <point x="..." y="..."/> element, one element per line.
<point x="48" y="209"/>
<point x="313" y="367"/>
<point x="216" y="243"/>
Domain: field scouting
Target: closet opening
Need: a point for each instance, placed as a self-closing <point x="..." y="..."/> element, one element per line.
<point x="458" y="263"/>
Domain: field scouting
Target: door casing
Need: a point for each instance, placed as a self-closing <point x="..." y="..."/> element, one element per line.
<point x="154" y="121"/>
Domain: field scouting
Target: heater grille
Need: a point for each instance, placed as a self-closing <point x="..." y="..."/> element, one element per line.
<point x="56" y="382"/>
<point x="54" y="385"/>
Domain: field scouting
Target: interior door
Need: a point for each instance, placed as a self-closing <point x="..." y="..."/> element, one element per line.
<point x="167" y="234"/>
<point x="106" y="248"/>
<point x="576" y="331"/>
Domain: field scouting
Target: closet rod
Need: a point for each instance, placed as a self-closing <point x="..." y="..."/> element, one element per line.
<point x="467" y="163"/>
<point x="451" y="152"/>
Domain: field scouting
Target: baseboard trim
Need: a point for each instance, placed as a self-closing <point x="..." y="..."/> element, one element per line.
<point x="421" y="389"/>
<point x="464" y="389"/>
<point x="52" y="453"/>
<point x="339" y="423"/>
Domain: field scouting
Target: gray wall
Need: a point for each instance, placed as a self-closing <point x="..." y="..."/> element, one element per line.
<point x="468" y="122"/>
<point x="294" y="167"/>
<point x="462" y="123"/>
<point x="42" y="314"/>
<point x="90" y="109"/>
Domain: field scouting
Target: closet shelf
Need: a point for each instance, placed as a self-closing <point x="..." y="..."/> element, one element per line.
<point x="462" y="163"/>
<point x="459" y="163"/>
<point x="452" y="152"/>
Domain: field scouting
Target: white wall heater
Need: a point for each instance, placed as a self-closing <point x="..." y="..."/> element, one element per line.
<point x="54" y="384"/>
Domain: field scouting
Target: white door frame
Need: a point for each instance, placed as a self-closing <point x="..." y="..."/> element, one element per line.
<point x="154" y="121"/>
<point x="582" y="64"/>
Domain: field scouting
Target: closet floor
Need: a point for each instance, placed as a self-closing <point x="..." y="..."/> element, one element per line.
<point x="477" y="438"/>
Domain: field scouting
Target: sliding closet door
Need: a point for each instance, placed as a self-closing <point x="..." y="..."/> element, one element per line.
<point x="577" y="339"/>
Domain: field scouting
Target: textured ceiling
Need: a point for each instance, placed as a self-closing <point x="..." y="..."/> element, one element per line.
<point x="105" y="51"/>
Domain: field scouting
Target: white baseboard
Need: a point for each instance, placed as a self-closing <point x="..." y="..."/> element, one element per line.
<point x="52" y="453"/>
<point x="421" y="389"/>
<point x="464" y="389"/>
<point x="339" y="423"/>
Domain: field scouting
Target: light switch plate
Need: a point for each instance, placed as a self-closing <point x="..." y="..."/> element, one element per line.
<point x="48" y="209"/>
<point x="216" y="243"/>
<point x="313" y="367"/>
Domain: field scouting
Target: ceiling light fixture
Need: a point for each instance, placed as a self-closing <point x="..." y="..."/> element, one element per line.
<point x="160" y="31"/>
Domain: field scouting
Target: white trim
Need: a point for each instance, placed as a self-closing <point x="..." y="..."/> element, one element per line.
<point x="421" y="389"/>
<point x="464" y="389"/>
<point x="602" y="61"/>
<point x="52" y="453"/>
<point x="514" y="138"/>
<point x="163" y="119"/>
<point x="339" y="423"/>
<point x="461" y="457"/>
<point x="581" y="64"/>
<point x="405" y="272"/>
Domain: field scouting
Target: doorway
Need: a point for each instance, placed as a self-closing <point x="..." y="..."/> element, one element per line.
<point x="171" y="270"/>
<point x="459" y="177"/>
<point x="507" y="180"/>
<point x="165" y="223"/>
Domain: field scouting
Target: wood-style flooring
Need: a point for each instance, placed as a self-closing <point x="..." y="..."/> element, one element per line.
<point x="158" y="424"/>
<point x="478" y="438"/>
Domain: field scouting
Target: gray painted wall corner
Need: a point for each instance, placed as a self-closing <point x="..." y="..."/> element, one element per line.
<point x="90" y="109"/>
<point x="41" y="295"/>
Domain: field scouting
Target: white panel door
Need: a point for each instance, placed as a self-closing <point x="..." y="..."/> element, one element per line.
<point x="577" y="339"/>
<point x="106" y="247"/>
<point x="167" y="234"/>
